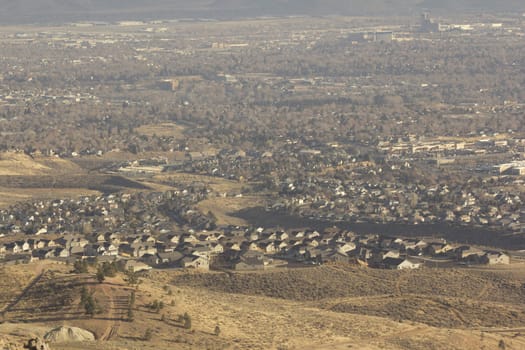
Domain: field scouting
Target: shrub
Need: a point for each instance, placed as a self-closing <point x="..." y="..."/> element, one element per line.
<point x="148" y="334"/>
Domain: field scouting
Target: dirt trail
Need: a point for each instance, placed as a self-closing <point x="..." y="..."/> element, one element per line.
<point x="113" y="323"/>
<point x="117" y="304"/>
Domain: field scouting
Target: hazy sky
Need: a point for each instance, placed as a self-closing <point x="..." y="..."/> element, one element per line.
<point x="25" y="11"/>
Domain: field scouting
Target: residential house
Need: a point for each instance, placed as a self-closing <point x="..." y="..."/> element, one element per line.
<point x="61" y="252"/>
<point x="110" y="249"/>
<point x="100" y="238"/>
<point x="170" y="258"/>
<point x="76" y="251"/>
<point x="35" y="244"/>
<point x="136" y="266"/>
<point x="400" y="264"/>
<point x="347" y="247"/>
<point x="250" y="261"/>
<point x="334" y="256"/>
<point x="94" y="249"/>
<point x="13" y="248"/>
<point x="170" y="238"/>
<point x="469" y="253"/>
<point x="495" y="258"/>
<point x="43" y="253"/>
<point x="24" y="245"/>
<point x="140" y="250"/>
<point x="151" y="259"/>
<point x="196" y="262"/>
<point x="126" y="250"/>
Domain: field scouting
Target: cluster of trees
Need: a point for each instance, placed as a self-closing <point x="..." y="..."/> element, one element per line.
<point x="106" y="269"/>
<point x="89" y="302"/>
<point x="156" y="305"/>
<point x="185" y="320"/>
<point x="80" y="266"/>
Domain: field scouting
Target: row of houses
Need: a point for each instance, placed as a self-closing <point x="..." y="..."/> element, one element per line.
<point x="244" y="249"/>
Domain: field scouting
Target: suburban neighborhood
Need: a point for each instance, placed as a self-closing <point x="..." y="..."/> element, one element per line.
<point x="108" y="228"/>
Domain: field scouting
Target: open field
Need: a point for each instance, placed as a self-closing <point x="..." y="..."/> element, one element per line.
<point x="224" y="208"/>
<point x="162" y="130"/>
<point x="218" y="185"/>
<point x="23" y="177"/>
<point x="15" y="164"/>
<point x="8" y="196"/>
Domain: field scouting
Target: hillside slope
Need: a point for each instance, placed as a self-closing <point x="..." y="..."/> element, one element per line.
<point x="265" y="311"/>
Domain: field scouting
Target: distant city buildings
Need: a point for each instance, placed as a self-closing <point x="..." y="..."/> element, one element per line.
<point x="427" y="24"/>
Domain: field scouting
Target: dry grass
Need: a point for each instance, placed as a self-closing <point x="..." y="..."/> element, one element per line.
<point x="324" y="282"/>
<point x="20" y="164"/>
<point x="14" y="164"/>
<point x="13" y="280"/>
<point x="436" y="311"/>
<point x="217" y="184"/>
<point x="41" y="173"/>
<point x="223" y="208"/>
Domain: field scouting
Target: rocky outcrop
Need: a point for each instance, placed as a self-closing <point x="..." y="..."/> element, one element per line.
<point x="36" y="344"/>
<point x="68" y="334"/>
<point x="32" y="344"/>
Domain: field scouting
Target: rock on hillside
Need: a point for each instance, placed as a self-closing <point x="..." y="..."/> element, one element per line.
<point x="32" y="344"/>
<point x="36" y="344"/>
<point x="68" y="334"/>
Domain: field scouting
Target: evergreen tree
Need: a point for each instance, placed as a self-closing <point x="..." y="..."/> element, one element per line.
<point x="187" y="321"/>
<point x="100" y="274"/>
<point x="90" y="305"/>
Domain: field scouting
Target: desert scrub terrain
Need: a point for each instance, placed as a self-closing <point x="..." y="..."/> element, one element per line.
<point x="49" y="296"/>
<point x="304" y="284"/>
<point x="12" y="281"/>
<point x="446" y="298"/>
<point x="436" y="311"/>
<point x="317" y="283"/>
